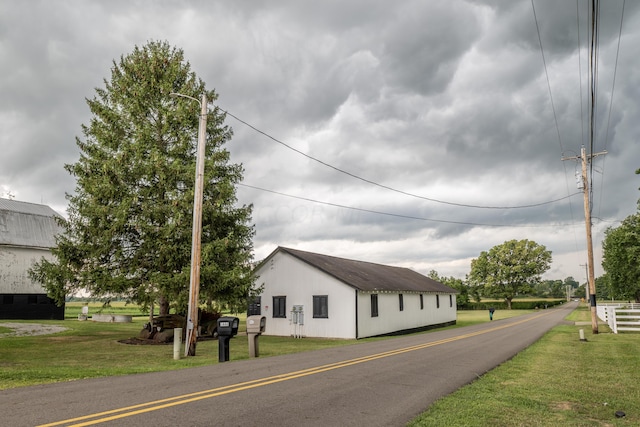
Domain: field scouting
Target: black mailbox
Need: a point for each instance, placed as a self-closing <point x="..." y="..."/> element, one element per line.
<point x="227" y="328"/>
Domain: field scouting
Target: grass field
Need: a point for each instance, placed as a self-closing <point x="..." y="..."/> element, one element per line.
<point x="559" y="381"/>
<point x="92" y="349"/>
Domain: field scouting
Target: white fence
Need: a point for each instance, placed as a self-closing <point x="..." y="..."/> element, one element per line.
<point x="620" y="317"/>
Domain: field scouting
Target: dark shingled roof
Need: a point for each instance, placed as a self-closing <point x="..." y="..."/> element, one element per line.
<point x="367" y="276"/>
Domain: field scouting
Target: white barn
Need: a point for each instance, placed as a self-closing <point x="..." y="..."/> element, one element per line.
<point x="312" y="295"/>
<point x="27" y="233"/>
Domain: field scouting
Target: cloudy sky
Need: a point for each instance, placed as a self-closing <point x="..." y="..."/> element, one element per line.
<point x="409" y="133"/>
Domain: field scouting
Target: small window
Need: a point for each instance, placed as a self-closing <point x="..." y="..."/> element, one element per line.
<point x="437" y="301"/>
<point x="280" y="307"/>
<point x="421" y="302"/>
<point x="254" y="306"/>
<point x="7" y="299"/>
<point x="320" y="307"/>
<point x="450" y="300"/>
<point x="374" y="305"/>
<point x="401" y="301"/>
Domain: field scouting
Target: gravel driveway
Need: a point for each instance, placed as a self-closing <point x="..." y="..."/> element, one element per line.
<point x="28" y="329"/>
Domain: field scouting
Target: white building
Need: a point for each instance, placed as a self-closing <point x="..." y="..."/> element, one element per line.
<point x="27" y="233"/>
<point x="314" y="295"/>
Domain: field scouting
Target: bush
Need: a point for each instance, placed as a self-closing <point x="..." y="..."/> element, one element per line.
<point x="515" y="305"/>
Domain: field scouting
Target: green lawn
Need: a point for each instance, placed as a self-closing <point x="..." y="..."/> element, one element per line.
<point x="558" y="381"/>
<point x="92" y="349"/>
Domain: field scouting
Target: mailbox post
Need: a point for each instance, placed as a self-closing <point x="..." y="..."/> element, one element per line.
<point x="255" y="327"/>
<point x="227" y="328"/>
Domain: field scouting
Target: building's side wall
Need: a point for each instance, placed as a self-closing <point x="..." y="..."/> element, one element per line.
<point x="20" y="297"/>
<point x="285" y="275"/>
<point x="390" y="319"/>
<point x="15" y="263"/>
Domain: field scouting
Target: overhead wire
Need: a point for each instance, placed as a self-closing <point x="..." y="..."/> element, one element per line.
<point x="613" y="86"/>
<point x="580" y="72"/>
<point x="582" y="118"/>
<point x="579" y="50"/>
<point x="546" y="72"/>
<point x="593" y="80"/>
<point x="476" y="224"/>
<point x="562" y="151"/>
<point x="386" y="187"/>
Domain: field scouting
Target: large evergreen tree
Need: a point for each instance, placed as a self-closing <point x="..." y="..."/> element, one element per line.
<point x="510" y="269"/>
<point x="128" y="232"/>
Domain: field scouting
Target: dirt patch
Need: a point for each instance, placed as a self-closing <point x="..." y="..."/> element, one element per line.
<point x="30" y="329"/>
<point x="563" y="406"/>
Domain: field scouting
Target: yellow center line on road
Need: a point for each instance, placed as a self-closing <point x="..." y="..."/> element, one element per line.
<point x="142" y="408"/>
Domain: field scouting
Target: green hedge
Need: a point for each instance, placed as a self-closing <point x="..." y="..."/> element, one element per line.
<point x="515" y="305"/>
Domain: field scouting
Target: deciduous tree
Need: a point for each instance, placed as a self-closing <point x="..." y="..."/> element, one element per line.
<point x="462" y="299"/>
<point x="510" y="269"/>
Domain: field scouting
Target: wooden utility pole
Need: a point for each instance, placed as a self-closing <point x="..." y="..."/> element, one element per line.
<point x="587" y="220"/>
<point x="191" y="336"/>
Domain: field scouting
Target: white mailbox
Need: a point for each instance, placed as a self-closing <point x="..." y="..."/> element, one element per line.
<point x="256" y="324"/>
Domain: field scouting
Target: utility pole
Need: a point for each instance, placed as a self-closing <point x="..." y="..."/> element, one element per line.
<point x="587" y="219"/>
<point x="191" y="336"/>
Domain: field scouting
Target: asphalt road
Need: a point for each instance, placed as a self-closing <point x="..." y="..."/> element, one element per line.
<point x="383" y="383"/>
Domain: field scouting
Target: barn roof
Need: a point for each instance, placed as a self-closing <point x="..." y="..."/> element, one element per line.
<point x="367" y="276"/>
<point x="27" y="224"/>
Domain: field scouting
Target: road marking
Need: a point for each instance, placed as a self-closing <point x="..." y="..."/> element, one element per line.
<point x="114" y="414"/>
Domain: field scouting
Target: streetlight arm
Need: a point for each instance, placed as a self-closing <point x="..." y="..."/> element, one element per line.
<point x="185" y="96"/>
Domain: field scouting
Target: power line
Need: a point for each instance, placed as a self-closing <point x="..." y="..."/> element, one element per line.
<point x="580" y="72"/>
<point x="575" y="234"/>
<point x="544" y="62"/>
<point x="553" y="108"/>
<point x="477" y="224"/>
<point x="613" y="86"/>
<point x="386" y="187"/>
<point x="593" y="80"/>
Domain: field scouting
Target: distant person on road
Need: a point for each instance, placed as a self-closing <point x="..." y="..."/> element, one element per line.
<point x="491" y="311"/>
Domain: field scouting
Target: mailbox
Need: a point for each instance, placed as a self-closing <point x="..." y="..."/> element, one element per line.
<point x="256" y="324"/>
<point x="227" y="328"/>
<point x="255" y="327"/>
